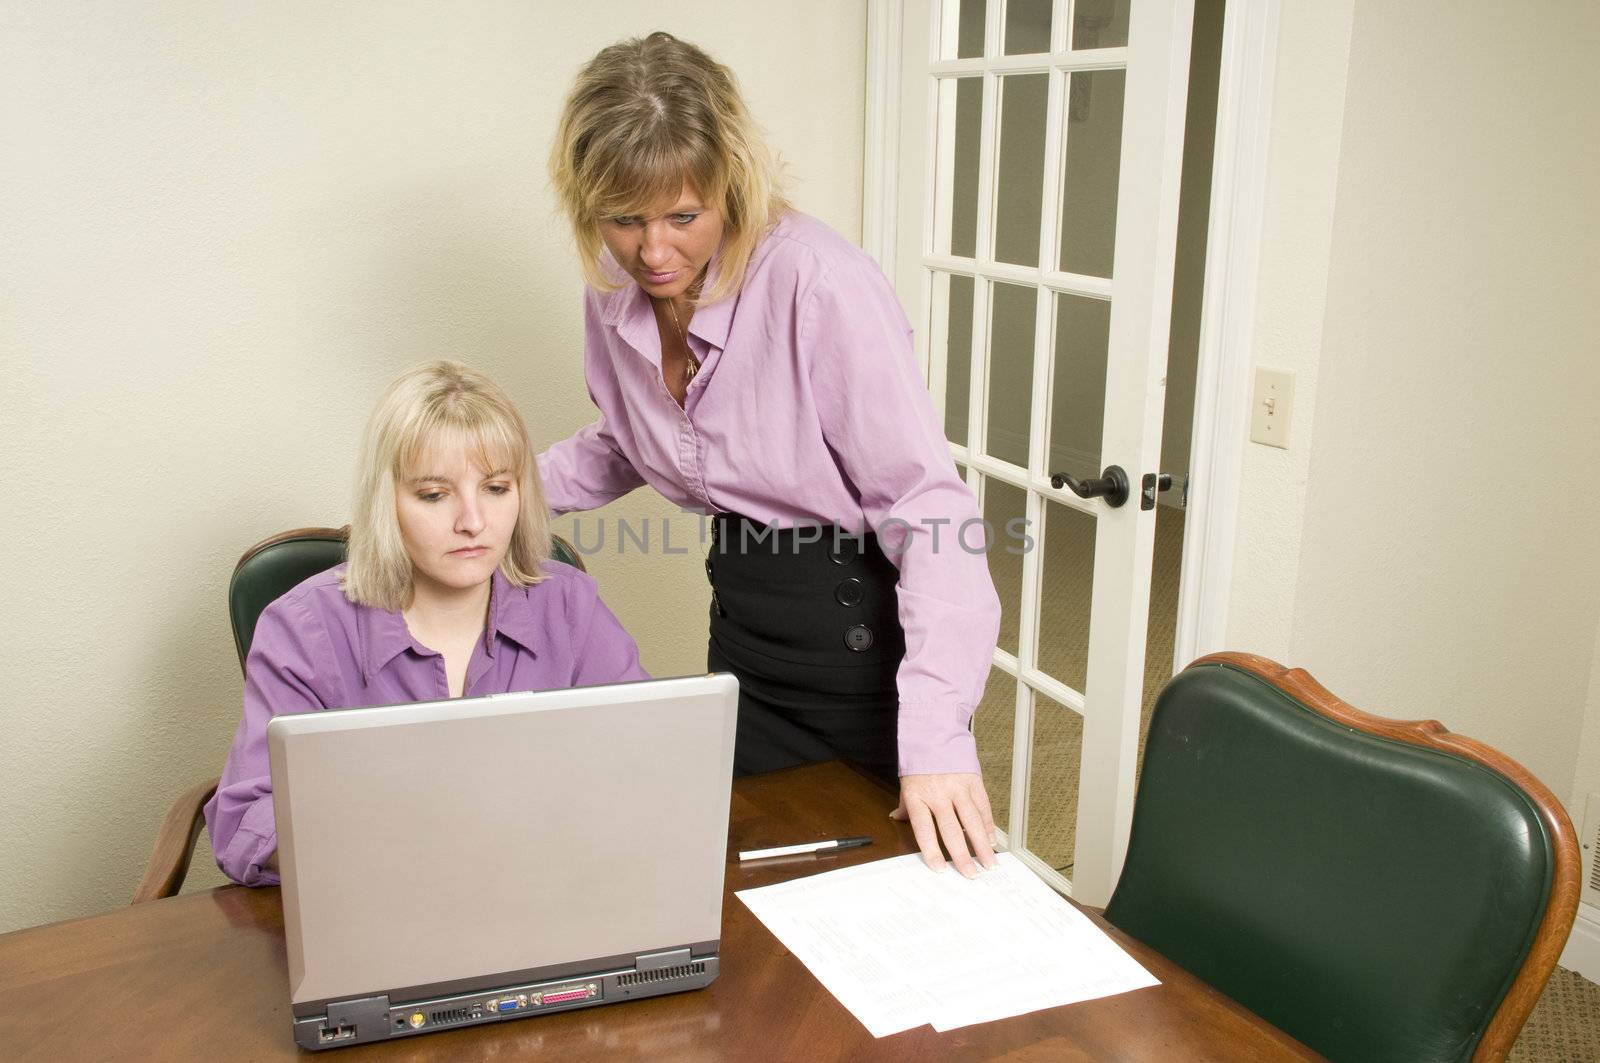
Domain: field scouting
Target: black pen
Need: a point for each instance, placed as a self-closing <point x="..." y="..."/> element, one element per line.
<point x="807" y="847"/>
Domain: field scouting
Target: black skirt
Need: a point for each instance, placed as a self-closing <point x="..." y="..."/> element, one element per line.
<point x="807" y="619"/>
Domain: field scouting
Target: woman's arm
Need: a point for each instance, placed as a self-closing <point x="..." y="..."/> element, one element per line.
<point x="288" y="670"/>
<point x="586" y="470"/>
<point x="879" y="421"/>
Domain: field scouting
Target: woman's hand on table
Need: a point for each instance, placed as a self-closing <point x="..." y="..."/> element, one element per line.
<point x="953" y="809"/>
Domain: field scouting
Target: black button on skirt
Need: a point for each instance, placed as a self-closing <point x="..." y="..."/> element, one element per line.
<point x="808" y="621"/>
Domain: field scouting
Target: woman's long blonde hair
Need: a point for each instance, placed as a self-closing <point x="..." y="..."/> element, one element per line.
<point x="644" y="116"/>
<point x="433" y="402"/>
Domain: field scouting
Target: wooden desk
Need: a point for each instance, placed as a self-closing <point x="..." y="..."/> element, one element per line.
<point x="204" y="977"/>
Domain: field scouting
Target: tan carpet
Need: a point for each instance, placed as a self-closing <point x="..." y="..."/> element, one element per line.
<point x="1564" y="1025"/>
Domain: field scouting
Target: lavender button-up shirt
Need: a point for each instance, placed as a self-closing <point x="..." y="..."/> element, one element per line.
<point x="314" y="649"/>
<point x="809" y="406"/>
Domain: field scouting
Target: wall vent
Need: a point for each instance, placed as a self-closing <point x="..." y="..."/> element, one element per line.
<point x="1590" y="842"/>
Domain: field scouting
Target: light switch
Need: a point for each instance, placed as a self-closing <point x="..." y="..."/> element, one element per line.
<point x="1271" y="407"/>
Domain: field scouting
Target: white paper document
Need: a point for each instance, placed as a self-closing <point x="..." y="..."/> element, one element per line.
<point x="900" y="945"/>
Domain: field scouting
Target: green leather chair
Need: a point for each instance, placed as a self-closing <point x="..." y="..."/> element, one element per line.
<point x="1378" y="889"/>
<point x="266" y="572"/>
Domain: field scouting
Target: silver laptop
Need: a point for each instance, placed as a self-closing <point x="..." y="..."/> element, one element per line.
<point x="456" y="863"/>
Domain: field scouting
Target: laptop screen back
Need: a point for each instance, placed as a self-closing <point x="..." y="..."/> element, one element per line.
<point x="427" y="843"/>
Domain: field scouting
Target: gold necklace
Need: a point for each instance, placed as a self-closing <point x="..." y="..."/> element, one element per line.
<point x="691" y="364"/>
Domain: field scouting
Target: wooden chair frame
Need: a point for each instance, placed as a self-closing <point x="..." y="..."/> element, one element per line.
<point x="1565" y="879"/>
<point x="169" y="860"/>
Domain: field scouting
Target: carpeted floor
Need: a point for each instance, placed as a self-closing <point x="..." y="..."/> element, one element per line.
<point x="1564" y="1026"/>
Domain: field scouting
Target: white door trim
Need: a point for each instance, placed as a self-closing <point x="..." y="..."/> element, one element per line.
<point x="1227" y="324"/>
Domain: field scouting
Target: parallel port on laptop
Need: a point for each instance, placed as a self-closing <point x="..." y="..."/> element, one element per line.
<point x="562" y="994"/>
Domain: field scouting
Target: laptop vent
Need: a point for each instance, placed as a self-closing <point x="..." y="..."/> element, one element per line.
<point x="663" y="975"/>
<point x="445" y="1018"/>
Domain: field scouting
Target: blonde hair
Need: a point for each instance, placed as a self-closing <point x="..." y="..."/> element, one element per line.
<point x="438" y="399"/>
<point x="644" y="116"/>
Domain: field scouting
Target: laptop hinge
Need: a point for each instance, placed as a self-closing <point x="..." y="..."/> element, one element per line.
<point x="655" y="961"/>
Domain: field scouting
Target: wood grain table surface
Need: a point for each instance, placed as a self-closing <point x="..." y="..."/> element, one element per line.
<point x="204" y="977"/>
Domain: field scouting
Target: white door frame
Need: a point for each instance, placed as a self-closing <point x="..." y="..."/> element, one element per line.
<point x="1228" y="315"/>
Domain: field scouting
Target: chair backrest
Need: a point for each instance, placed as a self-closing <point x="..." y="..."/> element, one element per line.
<point x="272" y="567"/>
<point x="1378" y="889"/>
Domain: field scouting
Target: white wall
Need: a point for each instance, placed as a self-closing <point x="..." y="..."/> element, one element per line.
<point x="225" y="228"/>
<point x="1426" y="547"/>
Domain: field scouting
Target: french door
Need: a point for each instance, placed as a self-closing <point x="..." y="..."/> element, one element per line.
<point x="1040" y="148"/>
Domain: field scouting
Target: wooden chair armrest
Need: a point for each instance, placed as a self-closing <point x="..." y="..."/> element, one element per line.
<point x="169" y="860"/>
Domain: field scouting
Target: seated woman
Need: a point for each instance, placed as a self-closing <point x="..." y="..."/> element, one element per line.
<point x="447" y="592"/>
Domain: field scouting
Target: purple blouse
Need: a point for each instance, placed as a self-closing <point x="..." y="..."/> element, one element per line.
<point x="314" y="649"/>
<point x="808" y="406"/>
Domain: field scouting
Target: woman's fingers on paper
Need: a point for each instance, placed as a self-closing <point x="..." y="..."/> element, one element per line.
<point x="973" y="820"/>
<point x="927" y="836"/>
<point x="954" y="838"/>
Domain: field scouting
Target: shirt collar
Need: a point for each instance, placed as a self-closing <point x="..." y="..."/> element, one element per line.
<point x="382" y="633"/>
<point x="628" y="310"/>
<point x="510" y="616"/>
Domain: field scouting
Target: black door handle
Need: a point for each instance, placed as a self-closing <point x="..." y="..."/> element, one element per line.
<point x="1112" y="485"/>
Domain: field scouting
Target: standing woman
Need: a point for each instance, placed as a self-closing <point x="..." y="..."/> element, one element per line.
<point x="749" y="362"/>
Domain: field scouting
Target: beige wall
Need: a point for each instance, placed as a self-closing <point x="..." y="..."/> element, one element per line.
<point x="225" y="228"/>
<point x="1302" y="174"/>
<point x="1429" y="549"/>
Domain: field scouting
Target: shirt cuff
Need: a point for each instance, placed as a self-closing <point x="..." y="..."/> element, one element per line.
<point x="251" y="846"/>
<point x="934" y="739"/>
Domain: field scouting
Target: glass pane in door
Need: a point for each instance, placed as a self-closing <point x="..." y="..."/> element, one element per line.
<point x="1053" y="782"/>
<point x="1078" y="385"/>
<point x="993" y="726"/>
<point x="1099" y="23"/>
<point x="1093" y="158"/>
<point x="1002" y="504"/>
<point x="1067" y="594"/>
<point x="1024" y="99"/>
<point x="1011" y="331"/>
<point x="956" y="198"/>
<point x="952" y="297"/>
<point x="1027" y="26"/>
